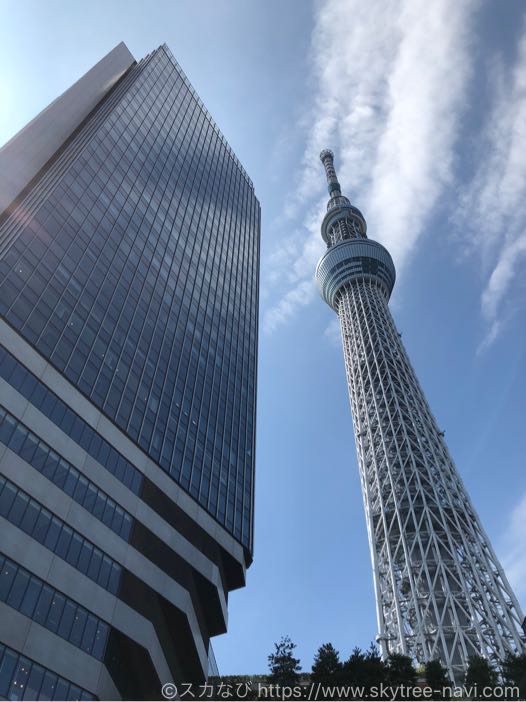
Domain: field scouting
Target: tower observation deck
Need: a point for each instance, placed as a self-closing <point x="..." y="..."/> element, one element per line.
<point x="441" y="592"/>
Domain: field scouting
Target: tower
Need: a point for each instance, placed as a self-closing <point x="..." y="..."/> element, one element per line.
<point x="440" y="590"/>
<point x="129" y="264"/>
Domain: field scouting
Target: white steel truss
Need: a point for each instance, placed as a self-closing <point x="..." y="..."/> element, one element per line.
<point x="441" y="592"/>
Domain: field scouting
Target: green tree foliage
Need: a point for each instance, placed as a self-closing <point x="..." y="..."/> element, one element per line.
<point x="366" y="669"/>
<point x="401" y="674"/>
<point x="480" y="675"/>
<point x="514" y="672"/>
<point x="400" y="670"/>
<point x="437" y="679"/>
<point x="363" y="669"/>
<point x="233" y="687"/>
<point x="374" y="666"/>
<point x="284" y="668"/>
<point x="326" y="664"/>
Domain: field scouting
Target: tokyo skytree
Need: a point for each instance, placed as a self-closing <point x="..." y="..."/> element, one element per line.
<point x="441" y="592"/>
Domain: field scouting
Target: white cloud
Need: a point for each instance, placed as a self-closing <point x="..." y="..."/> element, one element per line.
<point x="332" y="332"/>
<point x="415" y="152"/>
<point x="297" y="297"/>
<point x="390" y="89"/>
<point x="509" y="261"/>
<point x="492" y="211"/>
<point x="514" y="560"/>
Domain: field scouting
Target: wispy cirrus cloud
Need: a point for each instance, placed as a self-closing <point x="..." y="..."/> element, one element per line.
<point x="332" y="332"/>
<point x="492" y="209"/>
<point x="297" y="296"/>
<point x="391" y="79"/>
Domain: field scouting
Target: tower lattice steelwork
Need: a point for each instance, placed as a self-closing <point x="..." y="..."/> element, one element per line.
<point x="440" y="589"/>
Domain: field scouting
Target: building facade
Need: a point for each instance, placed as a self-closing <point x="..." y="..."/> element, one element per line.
<point x="129" y="264"/>
<point x="441" y="592"/>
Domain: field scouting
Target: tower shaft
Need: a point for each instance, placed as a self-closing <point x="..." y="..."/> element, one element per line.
<point x="441" y="592"/>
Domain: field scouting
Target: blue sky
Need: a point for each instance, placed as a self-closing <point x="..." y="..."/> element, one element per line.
<point x="424" y="105"/>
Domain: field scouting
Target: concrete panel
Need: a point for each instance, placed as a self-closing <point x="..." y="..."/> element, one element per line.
<point x="142" y="630"/>
<point x="60" y="656"/>
<point x="15" y="627"/>
<point x="29" y="150"/>
<point x="121" y="442"/>
<point x="79" y="519"/>
<point x="35" y="485"/>
<point x="65" y="508"/>
<point x="58" y="384"/>
<point x="22" y="350"/>
<point x="80" y="588"/>
<point x="47" y="430"/>
<point x="102" y="477"/>
<point x="98" y="533"/>
<point x="61" y="387"/>
<point x="106" y="690"/>
<point x="159" y="581"/>
<point x="178" y="543"/>
<point x="60" y="575"/>
<point x="51" y="651"/>
<point x="22" y="474"/>
<point x="25" y="550"/>
<point x="12" y="400"/>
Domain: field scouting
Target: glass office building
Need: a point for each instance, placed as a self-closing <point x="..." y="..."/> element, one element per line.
<point x="129" y="263"/>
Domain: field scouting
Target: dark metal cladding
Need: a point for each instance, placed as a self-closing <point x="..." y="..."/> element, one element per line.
<point x="129" y="273"/>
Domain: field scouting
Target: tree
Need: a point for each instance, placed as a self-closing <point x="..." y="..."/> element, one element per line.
<point x="363" y="669"/>
<point x="353" y="670"/>
<point x="437" y="679"/>
<point x="326" y="663"/>
<point x="514" y="672"/>
<point x="284" y="668"/>
<point x="374" y="666"/>
<point x="400" y="671"/>
<point x="233" y="687"/>
<point x="479" y="675"/>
